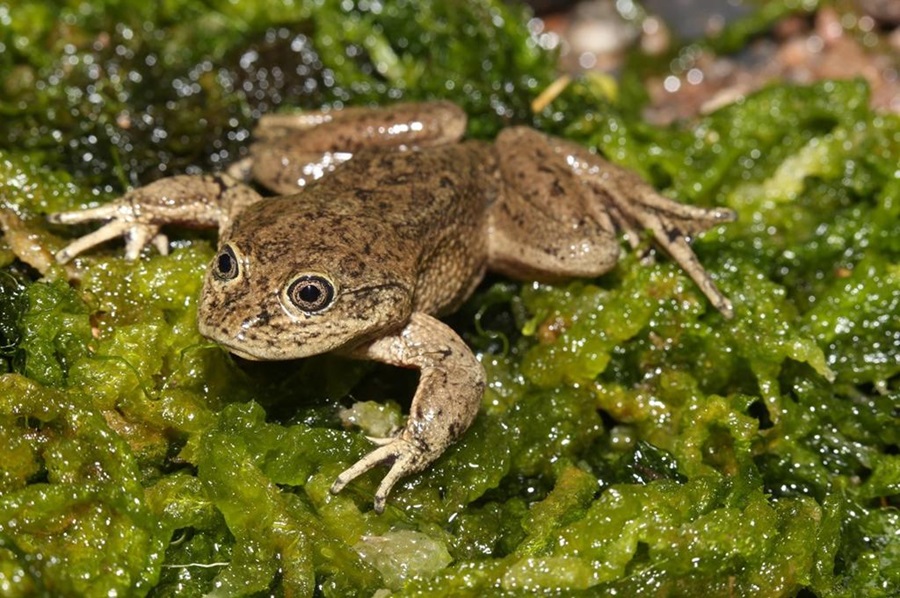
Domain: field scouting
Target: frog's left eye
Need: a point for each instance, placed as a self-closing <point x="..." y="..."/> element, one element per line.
<point x="225" y="266"/>
<point x="311" y="293"/>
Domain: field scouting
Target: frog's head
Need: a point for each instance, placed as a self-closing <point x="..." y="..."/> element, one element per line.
<point x="284" y="287"/>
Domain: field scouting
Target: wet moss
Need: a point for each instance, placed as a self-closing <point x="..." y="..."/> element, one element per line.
<point x="631" y="440"/>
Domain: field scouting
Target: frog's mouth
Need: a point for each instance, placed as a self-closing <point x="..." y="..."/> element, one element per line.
<point x="235" y="346"/>
<point x="249" y="349"/>
<point x="241" y="353"/>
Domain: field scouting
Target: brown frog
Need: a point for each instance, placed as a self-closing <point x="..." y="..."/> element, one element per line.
<point x="385" y="221"/>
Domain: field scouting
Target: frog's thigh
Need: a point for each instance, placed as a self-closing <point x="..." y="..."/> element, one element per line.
<point x="544" y="225"/>
<point x="439" y="121"/>
<point x="293" y="151"/>
<point x="274" y="126"/>
<point x="284" y="167"/>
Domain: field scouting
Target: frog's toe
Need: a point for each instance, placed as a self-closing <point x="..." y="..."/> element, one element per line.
<point x="161" y="242"/>
<point x="104" y="212"/>
<point x="101" y="235"/>
<point x="138" y="237"/>
<point x="405" y="464"/>
<point x="122" y="220"/>
<point x="371" y="460"/>
<point x="406" y="456"/>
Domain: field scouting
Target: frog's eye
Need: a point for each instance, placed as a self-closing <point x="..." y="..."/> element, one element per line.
<point x="311" y="292"/>
<point x="225" y="266"/>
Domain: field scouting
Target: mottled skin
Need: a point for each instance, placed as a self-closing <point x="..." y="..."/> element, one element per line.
<point x="371" y="249"/>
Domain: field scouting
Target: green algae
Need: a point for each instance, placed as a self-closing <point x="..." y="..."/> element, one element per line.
<point x="631" y="441"/>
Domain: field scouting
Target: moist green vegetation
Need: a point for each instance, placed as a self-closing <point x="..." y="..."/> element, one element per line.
<point x="631" y="441"/>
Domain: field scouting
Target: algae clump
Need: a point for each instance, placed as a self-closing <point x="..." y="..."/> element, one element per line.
<point x="631" y="440"/>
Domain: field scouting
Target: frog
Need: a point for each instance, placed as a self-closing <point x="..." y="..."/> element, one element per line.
<point x="354" y="231"/>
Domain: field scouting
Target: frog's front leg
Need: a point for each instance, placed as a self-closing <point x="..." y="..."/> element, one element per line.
<point x="205" y="201"/>
<point x="445" y="404"/>
<point x="561" y="206"/>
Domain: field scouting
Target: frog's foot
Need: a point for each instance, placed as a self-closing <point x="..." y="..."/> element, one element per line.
<point x="195" y="201"/>
<point x="124" y="222"/>
<point x="673" y="225"/>
<point x="677" y="219"/>
<point x="30" y="244"/>
<point x="407" y="457"/>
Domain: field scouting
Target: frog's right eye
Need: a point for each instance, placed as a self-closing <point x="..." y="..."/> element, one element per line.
<point x="311" y="292"/>
<point x="225" y="266"/>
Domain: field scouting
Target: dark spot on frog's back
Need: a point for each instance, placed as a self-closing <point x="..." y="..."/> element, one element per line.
<point x="265" y="213"/>
<point x="395" y="179"/>
<point x="556" y="189"/>
<point x="518" y="217"/>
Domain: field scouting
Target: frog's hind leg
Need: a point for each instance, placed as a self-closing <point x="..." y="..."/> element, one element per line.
<point x="562" y="205"/>
<point x="541" y="226"/>
<point x="423" y="123"/>
<point x="293" y="150"/>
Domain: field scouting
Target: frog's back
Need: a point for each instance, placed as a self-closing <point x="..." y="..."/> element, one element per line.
<point x="426" y="212"/>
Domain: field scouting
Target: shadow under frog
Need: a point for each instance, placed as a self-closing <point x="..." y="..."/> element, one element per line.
<point x="383" y="221"/>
